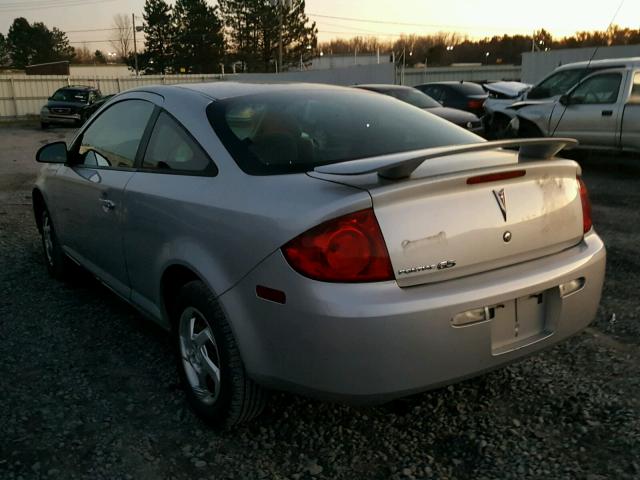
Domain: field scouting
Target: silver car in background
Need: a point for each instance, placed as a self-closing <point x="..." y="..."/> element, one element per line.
<point x="320" y="240"/>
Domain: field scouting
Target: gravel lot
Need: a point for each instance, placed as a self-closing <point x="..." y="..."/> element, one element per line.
<point x="88" y="388"/>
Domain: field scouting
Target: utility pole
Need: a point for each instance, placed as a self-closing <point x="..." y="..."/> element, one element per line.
<point x="135" y="44"/>
<point x="280" y="7"/>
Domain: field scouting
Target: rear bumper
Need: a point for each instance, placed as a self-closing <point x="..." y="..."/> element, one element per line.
<point x="375" y="342"/>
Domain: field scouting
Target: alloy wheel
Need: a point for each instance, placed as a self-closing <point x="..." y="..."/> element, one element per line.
<point x="199" y="355"/>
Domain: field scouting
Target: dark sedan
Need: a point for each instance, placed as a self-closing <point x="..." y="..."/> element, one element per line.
<point x="418" y="99"/>
<point x="467" y="96"/>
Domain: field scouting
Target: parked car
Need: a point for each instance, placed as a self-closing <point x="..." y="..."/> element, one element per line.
<point x="548" y="90"/>
<point x="92" y="108"/>
<point x="419" y="99"/>
<point x="70" y="106"/>
<point x="467" y="96"/>
<point x="602" y="111"/>
<point x="319" y="239"/>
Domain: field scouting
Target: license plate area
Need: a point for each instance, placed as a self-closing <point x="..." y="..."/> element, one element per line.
<point x="521" y="322"/>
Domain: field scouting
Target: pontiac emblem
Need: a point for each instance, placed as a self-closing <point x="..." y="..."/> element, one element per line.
<point x="502" y="202"/>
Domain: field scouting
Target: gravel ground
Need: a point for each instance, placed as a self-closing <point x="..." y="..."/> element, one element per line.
<point x="88" y="388"/>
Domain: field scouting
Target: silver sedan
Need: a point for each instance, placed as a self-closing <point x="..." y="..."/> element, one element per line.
<point x="319" y="239"/>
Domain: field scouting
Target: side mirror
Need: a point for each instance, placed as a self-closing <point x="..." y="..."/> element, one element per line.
<point x="564" y="100"/>
<point x="55" y="152"/>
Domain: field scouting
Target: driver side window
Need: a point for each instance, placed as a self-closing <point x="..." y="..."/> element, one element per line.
<point x="600" y="89"/>
<point x="112" y="140"/>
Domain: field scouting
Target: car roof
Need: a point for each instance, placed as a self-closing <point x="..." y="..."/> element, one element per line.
<point x="221" y="90"/>
<point x="452" y="82"/>
<point x="77" y="87"/>
<point x="383" y="86"/>
<point x="608" y="62"/>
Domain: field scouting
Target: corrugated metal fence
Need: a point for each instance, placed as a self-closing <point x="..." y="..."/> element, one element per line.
<point x="484" y="73"/>
<point x="22" y="95"/>
<point x="25" y="95"/>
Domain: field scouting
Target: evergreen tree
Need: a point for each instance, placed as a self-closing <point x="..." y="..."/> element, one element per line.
<point x="198" y="43"/>
<point x="253" y="32"/>
<point x="99" y="57"/>
<point x="31" y="44"/>
<point x="158" y="32"/>
<point x="4" y="51"/>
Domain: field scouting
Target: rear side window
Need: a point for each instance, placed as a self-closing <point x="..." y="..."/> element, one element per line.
<point x="297" y="130"/>
<point x="171" y="149"/>
<point x="112" y="139"/>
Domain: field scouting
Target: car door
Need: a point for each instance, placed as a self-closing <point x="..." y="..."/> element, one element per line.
<point x="591" y="112"/>
<point x="168" y="207"/>
<point x="90" y="189"/>
<point x="630" y="129"/>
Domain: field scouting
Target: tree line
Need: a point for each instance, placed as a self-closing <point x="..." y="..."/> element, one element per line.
<point x="192" y="36"/>
<point x="445" y="48"/>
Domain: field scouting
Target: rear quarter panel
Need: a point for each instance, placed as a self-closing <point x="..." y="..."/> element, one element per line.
<point x="222" y="226"/>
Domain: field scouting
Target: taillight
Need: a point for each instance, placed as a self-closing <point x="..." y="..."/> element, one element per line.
<point x="475" y="104"/>
<point x="586" y="206"/>
<point x="346" y="249"/>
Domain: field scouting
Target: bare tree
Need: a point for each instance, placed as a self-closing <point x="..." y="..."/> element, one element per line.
<point x="83" y="55"/>
<point x="122" y="38"/>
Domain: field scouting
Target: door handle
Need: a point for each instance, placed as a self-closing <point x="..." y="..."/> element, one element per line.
<point x="607" y="113"/>
<point x="107" y="205"/>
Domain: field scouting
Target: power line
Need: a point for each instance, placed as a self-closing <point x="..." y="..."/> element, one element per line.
<point x="387" y="22"/>
<point x="18" y="7"/>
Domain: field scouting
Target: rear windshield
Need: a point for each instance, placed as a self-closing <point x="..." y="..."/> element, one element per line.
<point x="469" y="88"/>
<point x="412" y="96"/>
<point x="295" y="131"/>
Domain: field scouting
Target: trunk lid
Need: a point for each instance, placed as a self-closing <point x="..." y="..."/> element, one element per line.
<point x="438" y="227"/>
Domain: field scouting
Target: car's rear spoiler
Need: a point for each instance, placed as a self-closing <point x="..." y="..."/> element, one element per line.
<point x="401" y="165"/>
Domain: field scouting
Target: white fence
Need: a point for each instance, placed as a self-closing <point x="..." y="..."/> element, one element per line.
<point x="24" y="95"/>
<point x="484" y="73"/>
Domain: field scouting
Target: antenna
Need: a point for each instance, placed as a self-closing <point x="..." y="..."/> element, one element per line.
<point x="588" y="64"/>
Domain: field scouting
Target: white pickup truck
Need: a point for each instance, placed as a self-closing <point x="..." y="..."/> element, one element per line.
<point x="602" y="111"/>
<point x="500" y="112"/>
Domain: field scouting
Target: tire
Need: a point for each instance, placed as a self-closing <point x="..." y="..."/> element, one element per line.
<point x="529" y="130"/>
<point x="498" y="128"/>
<point x="58" y="264"/>
<point x="209" y="364"/>
<point x="44" y="125"/>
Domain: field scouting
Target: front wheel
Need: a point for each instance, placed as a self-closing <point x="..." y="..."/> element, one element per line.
<point x="211" y="370"/>
<point x="58" y="264"/>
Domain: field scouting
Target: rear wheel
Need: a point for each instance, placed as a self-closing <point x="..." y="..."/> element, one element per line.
<point x="211" y="370"/>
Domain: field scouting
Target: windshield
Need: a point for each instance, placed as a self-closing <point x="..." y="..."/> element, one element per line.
<point x="557" y="84"/>
<point x="68" y="95"/>
<point x="412" y="97"/>
<point x="295" y="131"/>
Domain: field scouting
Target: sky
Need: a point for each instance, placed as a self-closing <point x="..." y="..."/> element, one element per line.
<point x="383" y="18"/>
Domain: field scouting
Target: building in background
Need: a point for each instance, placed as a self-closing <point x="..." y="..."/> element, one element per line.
<point x="537" y="65"/>
<point x="327" y="61"/>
